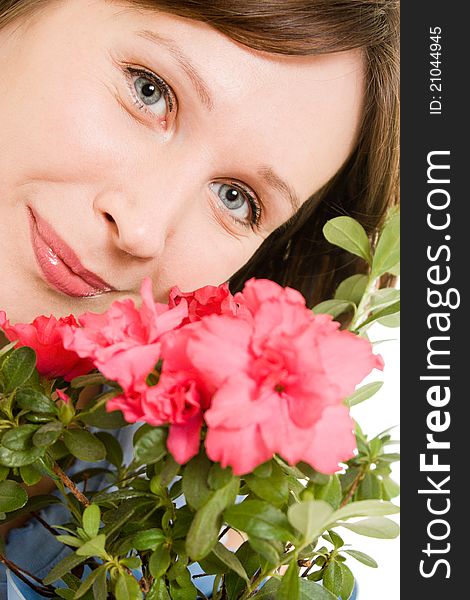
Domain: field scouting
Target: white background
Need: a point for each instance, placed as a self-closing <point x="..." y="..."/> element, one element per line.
<point x="375" y="415"/>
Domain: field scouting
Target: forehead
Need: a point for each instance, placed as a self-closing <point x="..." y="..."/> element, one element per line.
<point x="298" y="116"/>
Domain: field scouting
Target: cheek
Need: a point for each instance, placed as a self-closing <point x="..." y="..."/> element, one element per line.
<point x="69" y="129"/>
<point x="202" y="256"/>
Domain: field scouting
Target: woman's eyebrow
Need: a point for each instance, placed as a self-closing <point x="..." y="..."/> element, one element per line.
<point x="265" y="172"/>
<point x="188" y="67"/>
<point x="275" y="182"/>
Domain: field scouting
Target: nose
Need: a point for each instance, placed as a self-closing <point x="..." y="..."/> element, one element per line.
<point x="136" y="225"/>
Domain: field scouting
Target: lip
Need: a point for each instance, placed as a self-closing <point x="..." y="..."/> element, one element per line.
<point x="60" y="265"/>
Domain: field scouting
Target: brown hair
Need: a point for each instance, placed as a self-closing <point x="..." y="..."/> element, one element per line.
<point x="296" y="254"/>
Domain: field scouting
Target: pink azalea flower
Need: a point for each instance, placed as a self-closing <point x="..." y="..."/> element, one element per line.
<point x="44" y="336"/>
<point x="281" y="379"/>
<point x="181" y="396"/>
<point x="208" y="300"/>
<point x="124" y="342"/>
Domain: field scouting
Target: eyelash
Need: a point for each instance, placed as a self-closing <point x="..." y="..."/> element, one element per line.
<point x="255" y="207"/>
<point x="164" y="88"/>
<point x="170" y="98"/>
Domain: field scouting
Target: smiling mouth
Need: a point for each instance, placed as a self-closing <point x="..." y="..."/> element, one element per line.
<point x="59" y="264"/>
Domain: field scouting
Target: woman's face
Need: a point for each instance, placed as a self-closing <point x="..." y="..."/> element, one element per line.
<point x="139" y="144"/>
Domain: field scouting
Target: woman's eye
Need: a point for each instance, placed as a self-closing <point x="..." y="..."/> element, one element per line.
<point x="151" y="93"/>
<point x="240" y="204"/>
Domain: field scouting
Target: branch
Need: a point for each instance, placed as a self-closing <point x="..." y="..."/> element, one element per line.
<point x="70" y="485"/>
<point x="354" y="486"/>
<point x="23" y="575"/>
<point x="44" y="523"/>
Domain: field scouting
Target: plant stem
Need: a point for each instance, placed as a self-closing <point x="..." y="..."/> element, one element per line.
<point x="65" y="479"/>
<point x="23" y="575"/>
<point x="359" y="316"/>
<point x="46" y="525"/>
<point x="255" y="581"/>
<point x="354" y="485"/>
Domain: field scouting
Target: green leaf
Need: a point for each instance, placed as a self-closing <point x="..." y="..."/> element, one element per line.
<point x="331" y="492"/>
<point x="211" y="565"/>
<point x="204" y="530"/>
<point x="72" y="581"/>
<point x="230" y="559"/>
<point x="235" y="584"/>
<point x="84" y="445"/>
<point x="150" y="446"/>
<point x="390" y="486"/>
<point x="187" y="592"/>
<point x="12" y="496"/>
<point x="332" y="307"/>
<point x="333" y="577"/>
<point x="91" y="520"/>
<point x="267" y="549"/>
<point x="100" y="417"/>
<point x="69" y="540"/>
<point x="149" y="539"/>
<point x="100" y="586"/>
<point x="383" y="298"/>
<point x="33" y="504"/>
<point x="348" y="234"/>
<point x="309" y="590"/>
<point x="19" y="438"/>
<point x="158" y="591"/>
<point x="218" y="477"/>
<point x="65" y="593"/>
<point x="363" y="393"/>
<point x="18" y="367"/>
<point x="260" y="519"/>
<point x="5" y="349"/>
<point x="365" y="508"/>
<point x="95" y="547"/>
<point x="376" y="527"/>
<point x="159" y="562"/>
<point x="195" y="487"/>
<point x="384" y="312"/>
<point x="362" y="557"/>
<point x="352" y="289"/>
<point x="274" y="488"/>
<point x="127" y="588"/>
<point x="47" y="434"/>
<point x="17" y="458"/>
<point x="90" y="379"/>
<point x="310" y="517"/>
<point x="113" y="448"/>
<point x="390" y="320"/>
<point x="34" y="400"/>
<point x="129" y="509"/>
<point x="265" y="469"/>
<point x="387" y="252"/>
<point x="348" y="582"/>
<point x="4" y="472"/>
<point x="89" y="581"/>
<point x="169" y="471"/>
<point x="369" y="488"/>
<point x="290" y="583"/>
<point x="312" y="474"/>
<point x="30" y="474"/>
<point x="335" y="539"/>
<point x="132" y="562"/>
<point x="63" y="567"/>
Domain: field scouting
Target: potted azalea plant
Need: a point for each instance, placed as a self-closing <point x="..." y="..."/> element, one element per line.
<point x="167" y="428"/>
